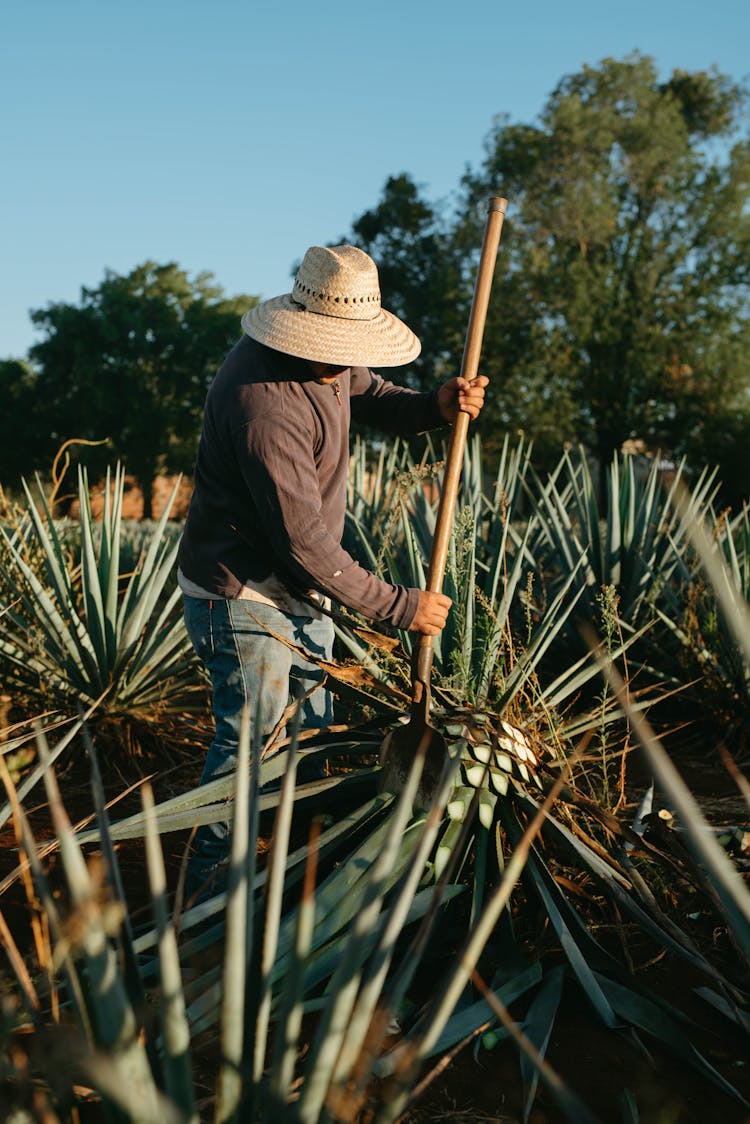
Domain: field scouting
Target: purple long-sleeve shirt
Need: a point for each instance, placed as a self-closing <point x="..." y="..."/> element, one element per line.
<point x="270" y="478"/>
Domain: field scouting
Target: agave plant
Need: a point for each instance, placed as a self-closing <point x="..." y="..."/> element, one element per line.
<point x="329" y="961"/>
<point x="501" y="777"/>
<point x="634" y="544"/>
<point x="699" y="638"/>
<point x="630" y="569"/>
<point x="76" y="630"/>
<point x="503" y="623"/>
<point x="335" y="943"/>
<point x="324" y="943"/>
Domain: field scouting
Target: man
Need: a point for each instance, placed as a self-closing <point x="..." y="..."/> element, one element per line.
<point x="261" y="551"/>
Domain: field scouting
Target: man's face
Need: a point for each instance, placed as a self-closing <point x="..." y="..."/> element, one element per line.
<point x="326" y="372"/>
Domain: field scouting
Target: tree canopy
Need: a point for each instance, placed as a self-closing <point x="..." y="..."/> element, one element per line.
<point x="620" y="306"/>
<point x="131" y="363"/>
<point x="19" y="433"/>
<point x="419" y="264"/>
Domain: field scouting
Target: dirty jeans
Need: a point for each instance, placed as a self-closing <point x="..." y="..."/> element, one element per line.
<point x="249" y="667"/>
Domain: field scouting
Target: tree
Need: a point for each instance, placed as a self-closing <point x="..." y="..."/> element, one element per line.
<point x="621" y="306"/>
<point x="18" y="431"/>
<point x="420" y="273"/>
<point x="131" y="363"/>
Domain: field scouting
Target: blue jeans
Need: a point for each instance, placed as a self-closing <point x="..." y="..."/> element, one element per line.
<point x="248" y="667"/>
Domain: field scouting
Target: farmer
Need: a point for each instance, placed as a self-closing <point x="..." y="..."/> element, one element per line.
<point x="261" y="550"/>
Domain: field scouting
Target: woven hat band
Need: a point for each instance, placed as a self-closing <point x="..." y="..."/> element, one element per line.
<point x="333" y="314"/>
<point x="339" y="281"/>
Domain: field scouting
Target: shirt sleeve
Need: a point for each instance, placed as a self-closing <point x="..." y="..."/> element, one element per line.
<point x="278" y="467"/>
<point x="390" y="408"/>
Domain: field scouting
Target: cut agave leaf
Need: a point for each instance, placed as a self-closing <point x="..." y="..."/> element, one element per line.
<point x="499" y="782"/>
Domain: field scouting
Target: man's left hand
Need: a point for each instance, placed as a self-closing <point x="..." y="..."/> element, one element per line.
<point x="461" y="395"/>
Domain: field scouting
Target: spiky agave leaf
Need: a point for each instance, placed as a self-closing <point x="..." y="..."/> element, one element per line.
<point x="705" y="616"/>
<point x="509" y="770"/>
<point x="633" y="544"/>
<point x="178" y="1077"/>
<point x="322" y="953"/>
<point x="108" y="1011"/>
<point x="377" y="892"/>
<point x="72" y="634"/>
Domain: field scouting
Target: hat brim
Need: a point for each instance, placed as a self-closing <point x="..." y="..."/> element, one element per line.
<point x="280" y="323"/>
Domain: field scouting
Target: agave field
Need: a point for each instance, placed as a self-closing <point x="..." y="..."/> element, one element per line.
<point x="560" y="931"/>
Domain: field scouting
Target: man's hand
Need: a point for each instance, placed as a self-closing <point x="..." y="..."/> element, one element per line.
<point x="432" y="613"/>
<point x="459" y="394"/>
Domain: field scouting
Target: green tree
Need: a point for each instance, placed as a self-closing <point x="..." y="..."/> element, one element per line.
<point x="621" y="303"/>
<point x="131" y="363"/>
<point x="19" y="435"/>
<point x="420" y="273"/>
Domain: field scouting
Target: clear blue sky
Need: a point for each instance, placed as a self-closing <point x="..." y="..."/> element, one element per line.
<point x="229" y="136"/>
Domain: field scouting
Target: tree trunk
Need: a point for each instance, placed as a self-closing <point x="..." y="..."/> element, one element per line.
<point x="147" y="487"/>
<point x="606" y="446"/>
<point x="145" y="474"/>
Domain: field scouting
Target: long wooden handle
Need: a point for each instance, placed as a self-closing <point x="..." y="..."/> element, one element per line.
<point x="422" y="653"/>
<point x="469" y="368"/>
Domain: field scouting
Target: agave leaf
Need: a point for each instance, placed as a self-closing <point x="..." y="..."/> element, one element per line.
<point x="584" y="669"/>
<point x="339" y="897"/>
<point x="414" y="1049"/>
<point x="498" y="573"/>
<point x="577" y="943"/>
<point x="70" y="646"/>
<point x="109" y="1009"/>
<point x="274" y="892"/>
<point x="53" y="552"/>
<point x="728" y="1009"/>
<point x="375" y="974"/>
<point x="645" y="912"/>
<point x="329" y="840"/>
<point x="481" y="848"/>
<point x="569" y="1102"/>
<point x="238" y="945"/>
<point x="329" y="1036"/>
<point x="109" y="556"/>
<point x="108" y="1074"/>
<point x="652" y="1018"/>
<point x="324" y="961"/>
<point x="628" y="1107"/>
<point x="207" y="804"/>
<point x="151" y="573"/>
<point x="462" y="1022"/>
<point x="178" y="1074"/>
<point x="596" y="863"/>
<point x="552" y="624"/>
<point x="165" y="623"/>
<point x="723" y="878"/>
<point x="370" y="559"/>
<point x="91" y="577"/>
<point x="37" y="773"/>
<point x="734" y="607"/>
<point x="538" y="1025"/>
<point x="124" y="936"/>
<point x="339" y="900"/>
<point x="71" y="636"/>
<point x="291" y="1006"/>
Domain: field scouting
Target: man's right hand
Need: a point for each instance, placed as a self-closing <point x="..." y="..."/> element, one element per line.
<point x="432" y="613"/>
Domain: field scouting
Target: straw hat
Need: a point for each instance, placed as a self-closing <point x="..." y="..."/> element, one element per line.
<point x="333" y="314"/>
